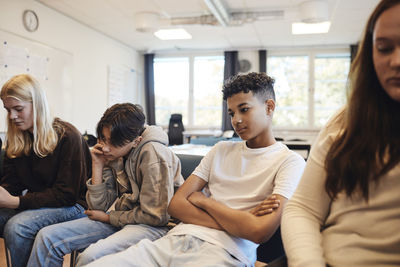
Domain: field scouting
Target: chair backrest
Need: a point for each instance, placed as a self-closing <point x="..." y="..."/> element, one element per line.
<point x="90" y="139"/>
<point x="175" y="129"/>
<point x="272" y="249"/>
<point x="188" y="163"/>
<point x="304" y="147"/>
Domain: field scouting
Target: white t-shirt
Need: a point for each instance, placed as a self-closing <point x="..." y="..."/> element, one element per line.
<point x="241" y="178"/>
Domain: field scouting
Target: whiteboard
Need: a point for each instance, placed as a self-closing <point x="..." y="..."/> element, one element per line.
<point x="122" y="83"/>
<point x="52" y="67"/>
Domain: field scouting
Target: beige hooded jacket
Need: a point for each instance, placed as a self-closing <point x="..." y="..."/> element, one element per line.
<point x="143" y="188"/>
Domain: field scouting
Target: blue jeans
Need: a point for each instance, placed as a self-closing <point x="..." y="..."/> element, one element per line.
<point x="55" y="241"/>
<point x="19" y="228"/>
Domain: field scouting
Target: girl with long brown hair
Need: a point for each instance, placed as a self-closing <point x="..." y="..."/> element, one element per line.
<point x="346" y="210"/>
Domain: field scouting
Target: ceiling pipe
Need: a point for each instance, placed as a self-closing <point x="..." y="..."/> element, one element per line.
<point x="150" y="22"/>
<point x="240" y="18"/>
<point x="219" y="11"/>
<point x="202" y="20"/>
<point x="222" y="9"/>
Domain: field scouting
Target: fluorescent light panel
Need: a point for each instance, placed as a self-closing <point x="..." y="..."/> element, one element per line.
<point x="310" y="28"/>
<point x="172" y="34"/>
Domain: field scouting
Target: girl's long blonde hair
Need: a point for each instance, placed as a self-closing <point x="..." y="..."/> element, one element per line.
<point x="24" y="87"/>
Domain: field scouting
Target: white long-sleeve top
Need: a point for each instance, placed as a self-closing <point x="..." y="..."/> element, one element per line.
<point x="348" y="231"/>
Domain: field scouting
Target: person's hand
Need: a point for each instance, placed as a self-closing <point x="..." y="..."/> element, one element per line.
<point x="265" y="207"/>
<point x="98" y="158"/>
<point x="98" y="215"/>
<point x="7" y="200"/>
<point x="196" y="198"/>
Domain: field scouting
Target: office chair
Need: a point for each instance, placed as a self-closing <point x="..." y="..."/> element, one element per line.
<point x="188" y="163"/>
<point x="175" y="130"/>
<point x="90" y="139"/>
<point x="272" y="249"/>
<point x="306" y="147"/>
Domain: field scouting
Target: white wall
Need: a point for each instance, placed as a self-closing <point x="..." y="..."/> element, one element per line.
<point x="92" y="53"/>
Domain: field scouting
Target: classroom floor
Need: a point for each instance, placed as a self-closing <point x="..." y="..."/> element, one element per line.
<point x="3" y="261"/>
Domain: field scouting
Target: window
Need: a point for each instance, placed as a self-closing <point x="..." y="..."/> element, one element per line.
<point x="309" y="86"/>
<point x="191" y="86"/>
<point x="171" y="81"/>
<point x="208" y="80"/>
<point x="291" y="89"/>
<point x="330" y="86"/>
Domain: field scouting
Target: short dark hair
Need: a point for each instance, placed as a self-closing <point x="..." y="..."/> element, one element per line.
<point x="259" y="83"/>
<point x="126" y="122"/>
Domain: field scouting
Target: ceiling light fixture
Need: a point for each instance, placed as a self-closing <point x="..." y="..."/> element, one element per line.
<point x="314" y="11"/>
<point x="146" y="21"/>
<point x="172" y="34"/>
<point x="314" y="17"/>
<point x="310" y="28"/>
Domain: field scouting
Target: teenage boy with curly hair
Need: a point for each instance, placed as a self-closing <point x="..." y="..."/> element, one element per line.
<point x="217" y="203"/>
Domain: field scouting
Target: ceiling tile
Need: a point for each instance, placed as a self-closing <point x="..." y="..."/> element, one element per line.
<point x="115" y="18"/>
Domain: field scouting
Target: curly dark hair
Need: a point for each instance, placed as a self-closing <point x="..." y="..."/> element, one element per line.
<point x="259" y="83"/>
<point x="126" y="122"/>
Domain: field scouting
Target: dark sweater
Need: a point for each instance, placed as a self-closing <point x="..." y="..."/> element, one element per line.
<point x="57" y="180"/>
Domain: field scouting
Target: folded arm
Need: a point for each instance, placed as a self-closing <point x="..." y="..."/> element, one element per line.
<point x="241" y="223"/>
<point x="185" y="211"/>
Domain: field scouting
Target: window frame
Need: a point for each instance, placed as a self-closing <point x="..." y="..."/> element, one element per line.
<point x="191" y="108"/>
<point x="312" y="53"/>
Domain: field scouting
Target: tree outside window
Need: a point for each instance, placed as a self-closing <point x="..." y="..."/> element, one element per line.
<point x="191" y="86"/>
<point x="309" y="87"/>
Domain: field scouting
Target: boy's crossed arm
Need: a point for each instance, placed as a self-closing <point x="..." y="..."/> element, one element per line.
<point x="240" y="223"/>
<point x="185" y="211"/>
<point x="191" y="206"/>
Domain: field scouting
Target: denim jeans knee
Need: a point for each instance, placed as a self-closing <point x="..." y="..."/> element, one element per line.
<point x="21" y="229"/>
<point x="55" y="241"/>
